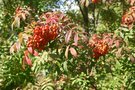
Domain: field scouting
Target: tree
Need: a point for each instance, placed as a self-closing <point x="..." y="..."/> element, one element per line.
<point x="89" y="48"/>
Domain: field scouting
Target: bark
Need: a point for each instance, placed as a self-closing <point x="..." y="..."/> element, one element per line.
<point x="84" y="11"/>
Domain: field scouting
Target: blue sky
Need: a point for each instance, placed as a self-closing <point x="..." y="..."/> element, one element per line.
<point x="68" y="5"/>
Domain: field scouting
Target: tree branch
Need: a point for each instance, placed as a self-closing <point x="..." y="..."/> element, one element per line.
<point x="84" y="11"/>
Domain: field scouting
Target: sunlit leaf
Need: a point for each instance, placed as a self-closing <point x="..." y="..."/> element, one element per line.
<point x="82" y="2"/>
<point x="87" y="3"/>
<point x="66" y="52"/>
<point x="76" y="39"/>
<point x="132" y="58"/>
<point x="20" y="37"/>
<point x="26" y="59"/>
<point x="17" y="22"/>
<point x="30" y="49"/>
<point x="73" y="52"/>
<point x="15" y="47"/>
<point x="23" y="16"/>
<point x="117" y="43"/>
<point x="119" y="52"/>
<point x="65" y="66"/>
<point x="67" y="36"/>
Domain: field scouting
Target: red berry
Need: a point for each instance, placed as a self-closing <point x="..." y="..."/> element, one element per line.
<point x="94" y="1"/>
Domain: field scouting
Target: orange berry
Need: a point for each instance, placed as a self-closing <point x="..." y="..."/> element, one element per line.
<point x="94" y="1"/>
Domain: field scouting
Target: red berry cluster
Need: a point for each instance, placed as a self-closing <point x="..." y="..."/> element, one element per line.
<point x="100" y="49"/>
<point x="102" y="43"/>
<point x="128" y="19"/>
<point x="42" y="34"/>
<point x="99" y="46"/>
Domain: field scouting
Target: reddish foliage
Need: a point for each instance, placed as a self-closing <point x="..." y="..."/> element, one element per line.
<point x="21" y="12"/>
<point x="15" y="47"/>
<point x="128" y="19"/>
<point x="26" y="59"/>
<point x="131" y="2"/>
<point x="73" y="52"/>
<point x="30" y="49"/>
<point x="51" y="17"/>
<point x="45" y="30"/>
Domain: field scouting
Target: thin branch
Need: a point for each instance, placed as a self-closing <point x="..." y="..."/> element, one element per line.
<point x="84" y="12"/>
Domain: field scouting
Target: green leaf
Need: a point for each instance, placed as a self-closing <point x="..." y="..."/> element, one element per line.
<point x="65" y="66"/>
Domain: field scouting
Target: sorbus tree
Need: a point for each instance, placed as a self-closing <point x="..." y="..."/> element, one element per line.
<point x="89" y="48"/>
